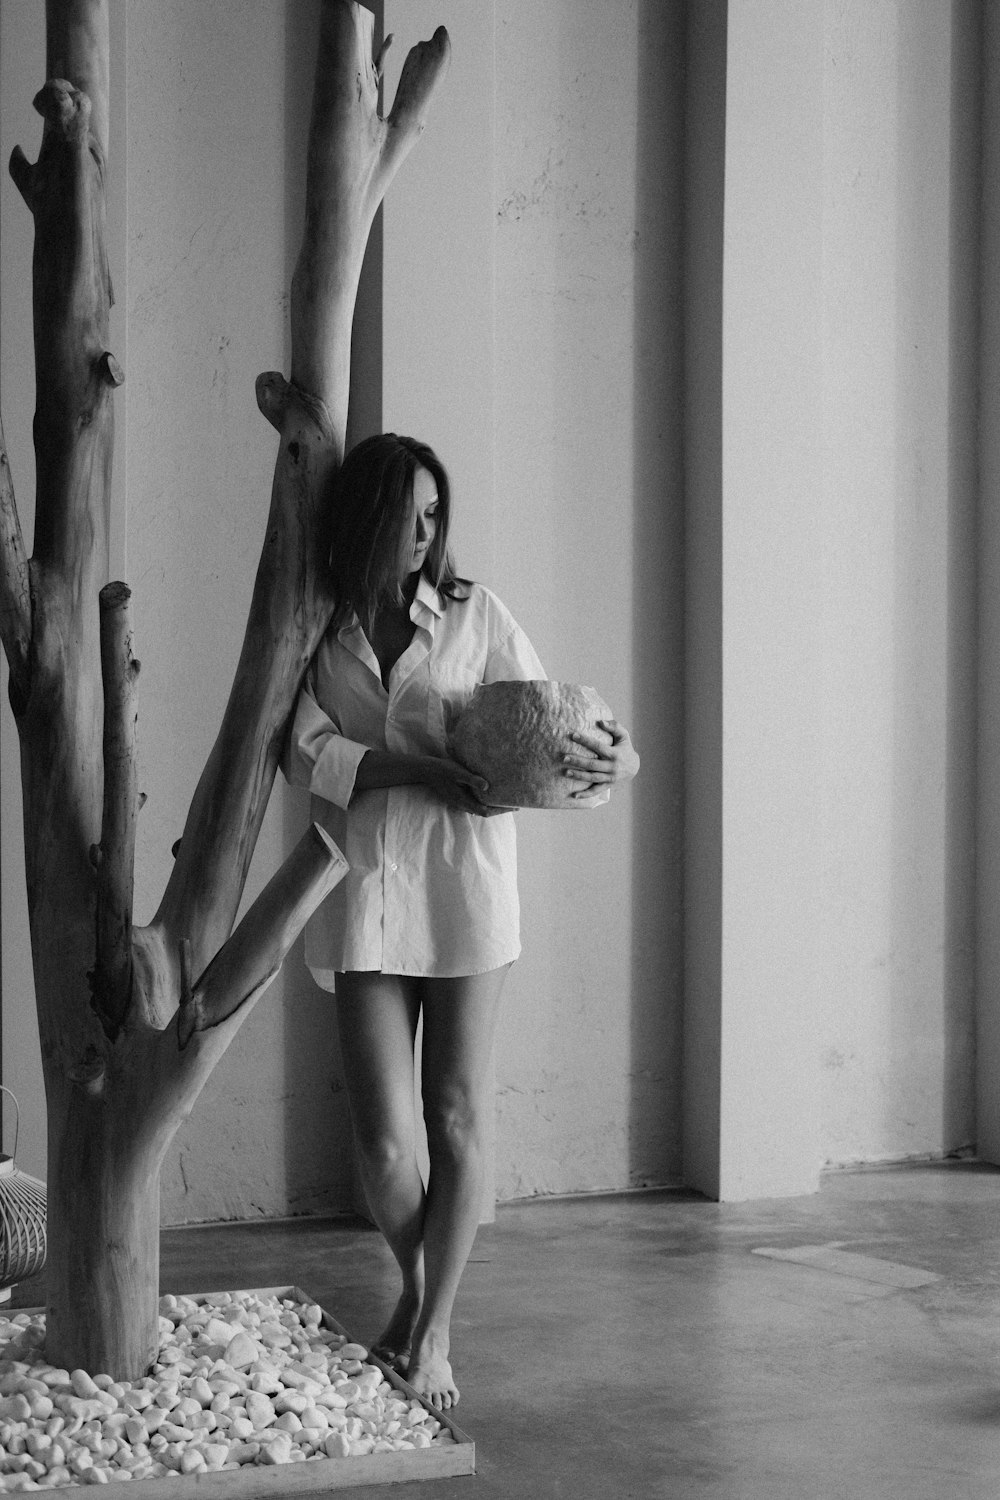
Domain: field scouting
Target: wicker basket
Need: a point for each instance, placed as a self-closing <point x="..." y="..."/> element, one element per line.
<point x="22" y="1219"/>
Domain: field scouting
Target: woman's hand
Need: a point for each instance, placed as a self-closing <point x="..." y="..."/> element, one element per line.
<point x="458" y="786"/>
<point x="604" y="765"/>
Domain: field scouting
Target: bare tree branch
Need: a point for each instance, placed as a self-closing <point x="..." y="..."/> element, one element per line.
<point x="120" y="672"/>
<point x="353" y="156"/>
<point x="74" y="376"/>
<point x="424" y="68"/>
<point x="247" y="963"/>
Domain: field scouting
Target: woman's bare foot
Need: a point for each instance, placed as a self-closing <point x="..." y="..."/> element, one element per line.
<point x="393" y="1343"/>
<point x="430" y="1373"/>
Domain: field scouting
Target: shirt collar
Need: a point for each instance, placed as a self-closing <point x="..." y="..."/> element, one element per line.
<point x="427" y="597"/>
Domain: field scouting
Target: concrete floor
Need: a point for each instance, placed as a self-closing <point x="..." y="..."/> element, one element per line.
<point x="637" y="1347"/>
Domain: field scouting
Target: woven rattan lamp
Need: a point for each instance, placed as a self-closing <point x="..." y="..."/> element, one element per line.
<point x="22" y="1219"/>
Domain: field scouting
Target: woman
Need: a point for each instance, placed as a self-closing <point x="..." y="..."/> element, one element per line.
<point x="426" y="921"/>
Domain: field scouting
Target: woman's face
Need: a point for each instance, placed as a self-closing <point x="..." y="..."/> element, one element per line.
<point x="424" y="499"/>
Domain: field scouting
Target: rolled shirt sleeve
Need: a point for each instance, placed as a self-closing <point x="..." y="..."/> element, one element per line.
<point x="318" y="756"/>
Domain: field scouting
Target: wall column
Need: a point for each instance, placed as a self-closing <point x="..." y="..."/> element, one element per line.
<point x="751" y="1109"/>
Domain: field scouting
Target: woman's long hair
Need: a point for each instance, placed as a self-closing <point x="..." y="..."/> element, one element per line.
<point x="372" y="526"/>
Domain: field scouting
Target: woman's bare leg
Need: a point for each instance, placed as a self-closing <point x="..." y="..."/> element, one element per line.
<point x="459" y="1022"/>
<point x="377" y="1021"/>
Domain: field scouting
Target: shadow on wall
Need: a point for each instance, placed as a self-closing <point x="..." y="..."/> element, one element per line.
<point x="959" y="1124"/>
<point x="318" y="1152"/>
<point x="936" y="534"/>
<point x="658" y="628"/>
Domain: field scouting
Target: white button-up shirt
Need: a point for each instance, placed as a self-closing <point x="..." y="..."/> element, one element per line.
<point x="430" y="890"/>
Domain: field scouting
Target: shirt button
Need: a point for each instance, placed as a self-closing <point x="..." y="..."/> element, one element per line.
<point x="393" y="868"/>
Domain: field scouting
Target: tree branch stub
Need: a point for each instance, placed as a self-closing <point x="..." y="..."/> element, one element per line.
<point x="77" y="48"/>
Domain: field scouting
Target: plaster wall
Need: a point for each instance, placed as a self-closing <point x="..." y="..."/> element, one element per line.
<point x="589" y="499"/>
<point x="587" y="275"/>
<point x="539" y="344"/>
<point x="550" y="269"/>
<point x="535" y="344"/>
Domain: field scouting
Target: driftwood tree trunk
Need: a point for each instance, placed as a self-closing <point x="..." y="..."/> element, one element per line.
<point x="132" y="1020"/>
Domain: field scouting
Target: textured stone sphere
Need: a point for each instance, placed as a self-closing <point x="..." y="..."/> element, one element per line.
<point x="515" y="734"/>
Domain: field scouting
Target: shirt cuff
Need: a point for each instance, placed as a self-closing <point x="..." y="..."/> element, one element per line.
<point x="336" y="769"/>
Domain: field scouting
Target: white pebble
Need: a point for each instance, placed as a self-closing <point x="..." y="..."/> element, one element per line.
<point x="260" y="1410"/>
<point x="201" y="1391"/>
<point x="295" y="1401"/>
<point x="332" y="1400"/>
<point x="242" y="1351"/>
<point x="277" y="1452"/>
<point x="274" y="1336"/>
<point x="243" y="1453"/>
<point x="314" y="1416"/>
<point x="83" y="1386"/>
<point x="218" y="1331"/>
<point x="300" y="1381"/>
<point x="222" y="1387"/>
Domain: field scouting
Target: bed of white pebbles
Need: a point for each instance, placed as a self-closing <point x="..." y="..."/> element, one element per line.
<point x="241" y="1379"/>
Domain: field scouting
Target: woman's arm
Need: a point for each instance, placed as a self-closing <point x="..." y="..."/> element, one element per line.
<point x="460" y="788"/>
<point x="317" y="755"/>
<point x="320" y="757"/>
